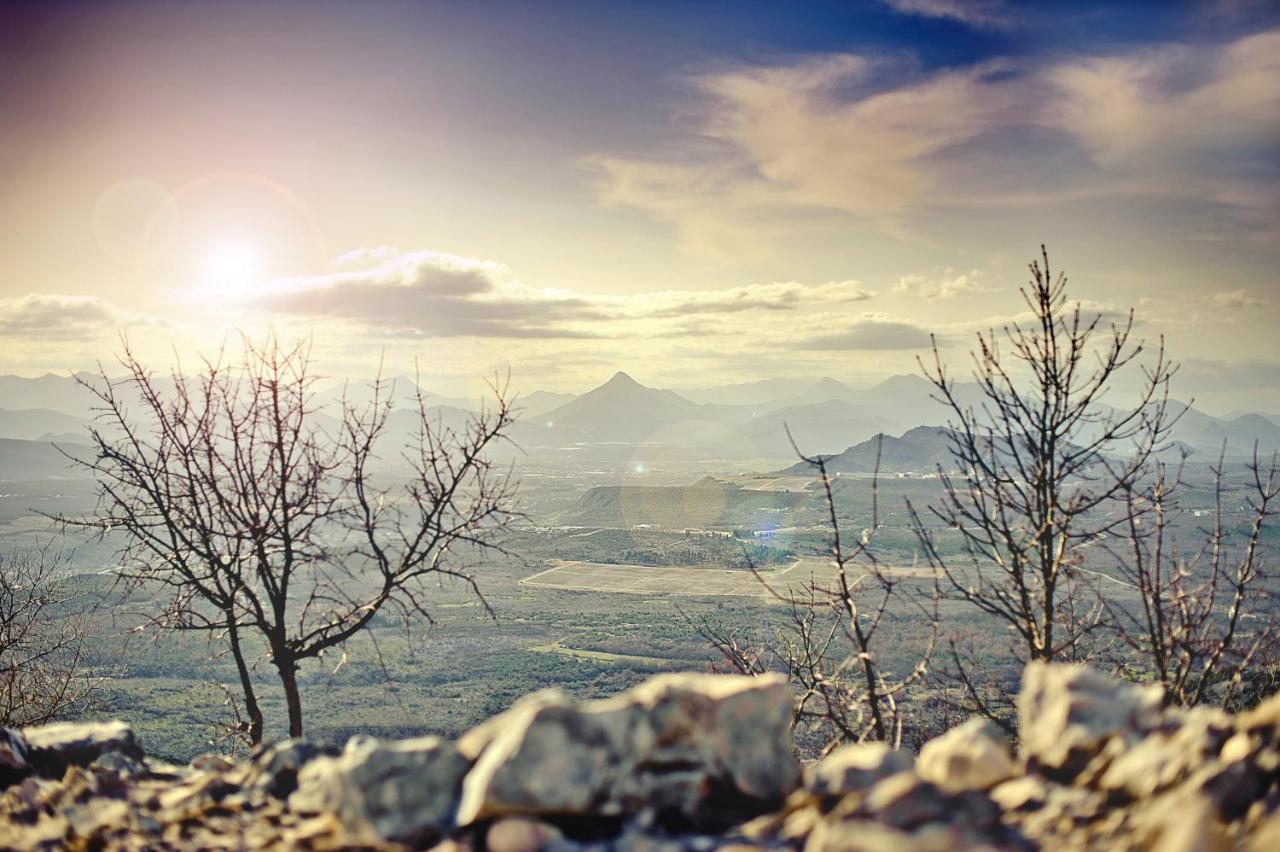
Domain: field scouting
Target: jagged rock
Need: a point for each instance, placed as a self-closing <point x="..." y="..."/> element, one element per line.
<point x="672" y="744"/>
<point x="119" y="763"/>
<point x="52" y="748"/>
<point x="402" y="791"/>
<point x="1068" y="713"/>
<point x="1028" y="792"/>
<point x="972" y="756"/>
<point x="14" y="763"/>
<point x="1186" y="741"/>
<point x="273" y="769"/>
<point x="854" y="768"/>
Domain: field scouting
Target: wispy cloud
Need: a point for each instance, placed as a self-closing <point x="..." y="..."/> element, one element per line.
<point x="871" y="333"/>
<point x="429" y="293"/>
<point x="947" y="285"/>
<point x="434" y="294"/>
<point x="877" y="138"/>
<point x="1239" y="298"/>
<point x="982" y="14"/>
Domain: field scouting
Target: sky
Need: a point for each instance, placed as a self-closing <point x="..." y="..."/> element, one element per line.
<point x="695" y="192"/>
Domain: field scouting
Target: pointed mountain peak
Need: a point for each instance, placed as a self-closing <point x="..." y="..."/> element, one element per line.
<point x="621" y="379"/>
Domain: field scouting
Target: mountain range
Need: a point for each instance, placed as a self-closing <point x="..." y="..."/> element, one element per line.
<point x="825" y="417"/>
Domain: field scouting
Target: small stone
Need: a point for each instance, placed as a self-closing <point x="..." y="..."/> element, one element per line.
<point x="404" y="791"/>
<point x="14" y="762"/>
<point x="520" y="834"/>
<point x="854" y="768"/>
<point x="1019" y="793"/>
<point x="52" y="748"/>
<point x="972" y="756"/>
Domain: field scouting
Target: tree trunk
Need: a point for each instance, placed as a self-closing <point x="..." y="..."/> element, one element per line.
<point x="288" y="668"/>
<point x="246" y="685"/>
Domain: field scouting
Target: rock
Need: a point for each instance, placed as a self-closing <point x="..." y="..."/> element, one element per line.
<point x="520" y="834"/>
<point x="52" y="748"/>
<point x="972" y="756"/>
<point x="670" y="745"/>
<point x="14" y="762"/>
<point x="1067" y="714"/>
<point x="1029" y="792"/>
<point x="273" y="769"/>
<point x="403" y="791"/>
<point x="855" y="768"/>
<point x="122" y="764"/>
<point x="1168" y="756"/>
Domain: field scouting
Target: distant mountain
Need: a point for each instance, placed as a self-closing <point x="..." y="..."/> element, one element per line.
<point x="623" y="410"/>
<point x="32" y="423"/>
<point x="823" y="427"/>
<point x="50" y="391"/>
<point x="763" y="393"/>
<point x="540" y="402"/>
<point x="918" y="450"/>
<point x="403" y="392"/>
<point x="31" y="460"/>
<point x="1207" y="433"/>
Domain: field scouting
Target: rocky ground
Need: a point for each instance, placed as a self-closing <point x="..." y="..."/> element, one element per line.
<point x="681" y="762"/>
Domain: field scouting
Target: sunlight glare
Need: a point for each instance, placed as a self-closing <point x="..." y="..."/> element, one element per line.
<point x="231" y="269"/>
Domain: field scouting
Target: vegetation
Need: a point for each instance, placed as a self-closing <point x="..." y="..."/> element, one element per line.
<point x="256" y="521"/>
<point x="49" y="666"/>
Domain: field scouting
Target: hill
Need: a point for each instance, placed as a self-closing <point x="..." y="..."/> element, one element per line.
<point x="30" y="460"/>
<point x="30" y="424"/>
<point x="823" y="427"/>
<point x="917" y="450"/>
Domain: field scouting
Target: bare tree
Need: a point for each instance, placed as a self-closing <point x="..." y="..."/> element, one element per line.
<point x="1199" y="620"/>
<point x="829" y="646"/>
<point x="46" y="639"/>
<point x="1039" y="462"/>
<point x="267" y="525"/>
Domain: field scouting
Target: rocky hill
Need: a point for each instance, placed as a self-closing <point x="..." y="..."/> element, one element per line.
<point x="683" y="761"/>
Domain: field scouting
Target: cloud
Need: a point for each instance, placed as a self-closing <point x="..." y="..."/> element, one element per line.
<point x="878" y="138"/>
<point x="1235" y="299"/>
<point x="61" y="317"/>
<point x="982" y="14"/>
<point x="947" y="286"/>
<point x="778" y="296"/>
<point x="433" y="294"/>
<point x="430" y="294"/>
<point x="872" y="333"/>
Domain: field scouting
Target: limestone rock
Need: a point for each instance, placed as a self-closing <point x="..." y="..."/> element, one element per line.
<point x="1068" y="713"/>
<point x="1186" y="741"/>
<point x="853" y="768"/>
<point x="668" y="745"/>
<point x="52" y="748"/>
<point x="273" y="769"/>
<point x="14" y="763"/>
<point x="520" y="834"/>
<point x="402" y="791"/>
<point x="972" y="756"/>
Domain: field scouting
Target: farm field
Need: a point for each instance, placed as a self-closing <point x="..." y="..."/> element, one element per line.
<point x="576" y="575"/>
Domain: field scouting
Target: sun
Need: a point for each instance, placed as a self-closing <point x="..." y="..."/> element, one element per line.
<point x="232" y="269"/>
